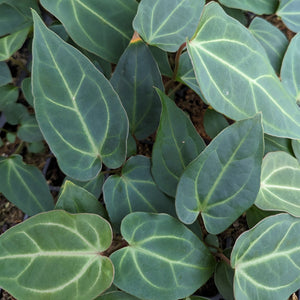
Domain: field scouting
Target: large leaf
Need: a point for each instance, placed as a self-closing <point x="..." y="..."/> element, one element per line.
<point x="177" y="143"/>
<point x="288" y="10"/>
<point x="134" y="190"/>
<point x="5" y="75"/>
<point x="56" y="255"/>
<point x="81" y="118"/>
<point x="167" y="23"/>
<point x="32" y="194"/>
<point x="266" y="259"/>
<point x="223" y="181"/>
<point x="251" y="84"/>
<point x="257" y="6"/>
<point x="272" y="39"/>
<point x="165" y="258"/>
<point x="290" y="70"/>
<point x="102" y="27"/>
<point x="280" y="183"/>
<point x="133" y="79"/>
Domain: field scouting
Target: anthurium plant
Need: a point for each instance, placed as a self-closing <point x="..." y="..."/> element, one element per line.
<point x="126" y="225"/>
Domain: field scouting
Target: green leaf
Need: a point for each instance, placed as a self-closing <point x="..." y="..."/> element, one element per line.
<point x="237" y="14"/>
<point x="166" y="259"/>
<point x="32" y="194"/>
<point x="255" y="215"/>
<point x="15" y="113"/>
<point x="131" y="146"/>
<point x="8" y="95"/>
<point x="273" y="143"/>
<point x="26" y="90"/>
<point x="272" y="39"/>
<point x="251" y="84"/>
<point x="56" y="255"/>
<point x="214" y="122"/>
<point x="11" y="137"/>
<point x="177" y="144"/>
<point x="290" y="73"/>
<point x="280" y="183"/>
<point x="29" y="130"/>
<point x="167" y="23"/>
<point x="296" y="148"/>
<point x="288" y="10"/>
<point x="36" y="147"/>
<point x="82" y="118"/>
<point x="102" y="27"/>
<point x="205" y="187"/>
<point x="75" y="199"/>
<point x="134" y="190"/>
<point x="162" y="60"/>
<point x="266" y="259"/>
<point x="259" y="7"/>
<point x="5" y="75"/>
<point x="133" y="79"/>
<point x="116" y="295"/>
<point x="13" y="42"/>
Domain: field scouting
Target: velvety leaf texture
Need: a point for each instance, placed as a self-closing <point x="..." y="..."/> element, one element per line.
<point x="223" y="181"/>
<point x="257" y="6"/>
<point x="288" y="10"/>
<point x="77" y="117"/>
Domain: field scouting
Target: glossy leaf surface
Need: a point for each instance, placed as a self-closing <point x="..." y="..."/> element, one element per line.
<point x="102" y="27"/>
<point x="266" y="259"/>
<point x="32" y="195"/>
<point x="164" y="257"/>
<point x="75" y="199"/>
<point x="167" y="23"/>
<point x="257" y="6"/>
<point x="133" y="79"/>
<point x="223" y="181"/>
<point x="77" y="117"/>
<point x="5" y="75"/>
<point x="73" y="243"/>
<point x="251" y="84"/>
<point x="134" y="190"/>
<point x="280" y="184"/>
<point x="288" y="10"/>
<point x="177" y="144"/>
<point x="272" y="39"/>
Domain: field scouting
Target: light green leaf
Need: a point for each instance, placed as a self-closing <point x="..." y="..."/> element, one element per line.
<point x="288" y="10"/>
<point x="5" y="75"/>
<point x="272" y="39"/>
<point x="134" y="190"/>
<point x="273" y="143"/>
<point x="29" y="130"/>
<point x="251" y="84"/>
<point x="266" y="259"/>
<point x="75" y="199"/>
<point x="290" y="70"/>
<point x="255" y="215"/>
<point x="32" y="195"/>
<point x="166" y="259"/>
<point x="116" y="295"/>
<point x="13" y="42"/>
<point x="82" y="118"/>
<point x="8" y="95"/>
<point x="214" y="122"/>
<point x="259" y="7"/>
<point x="26" y="90"/>
<point x="133" y="79"/>
<point x="177" y="144"/>
<point x="167" y="23"/>
<point x="56" y="255"/>
<point x="280" y="183"/>
<point x="205" y="187"/>
<point x="102" y="27"/>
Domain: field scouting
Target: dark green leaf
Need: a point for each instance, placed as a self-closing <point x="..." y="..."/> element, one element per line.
<point x="162" y="60"/>
<point x="5" y="76"/>
<point x="116" y="295"/>
<point x="29" y="130"/>
<point x="214" y="122"/>
<point x="26" y="90"/>
<point x="273" y="143"/>
<point x="255" y="215"/>
<point x="257" y="6"/>
<point x="8" y="95"/>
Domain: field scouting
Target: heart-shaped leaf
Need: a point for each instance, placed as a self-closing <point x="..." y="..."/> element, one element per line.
<point x="280" y="183"/>
<point x="288" y="10"/>
<point x="166" y="259"/>
<point x="102" y="27"/>
<point x="266" y="259"/>
<point x="257" y="6"/>
<point x="29" y="130"/>
<point x="32" y="195"/>
<point x="177" y="143"/>
<point x="63" y="251"/>
<point x="240" y="82"/>
<point x="82" y="118"/>
<point x="167" y="23"/>
<point x="223" y="181"/>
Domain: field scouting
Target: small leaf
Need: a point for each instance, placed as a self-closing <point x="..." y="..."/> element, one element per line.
<point x="214" y="123"/>
<point x="133" y="79"/>
<point x="134" y="190"/>
<point x="8" y="95"/>
<point x="75" y="199"/>
<point x="82" y="118"/>
<point x="177" y="144"/>
<point x="280" y="183"/>
<point x="36" y="147"/>
<point x="259" y="7"/>
<point x="166" y="259"/>
<point x="26" y="89"/>
<point x="102" y="27"/>
<point x="5" y="75"/>
<point x="266" y="259"/>
<point x="206" y="185"/>
<point x="29" y="130"/>
<point x="15" y="113"/>
<point x="251" y="84"/>
<point x="167" y="23"/>
<point x="288" y="10"/>
<point x="32" y="195"/>
<point x="62" y="251"/>
<point x="255" y="215"/>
